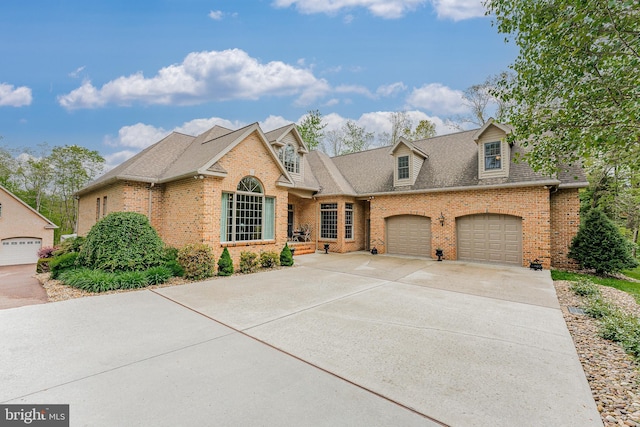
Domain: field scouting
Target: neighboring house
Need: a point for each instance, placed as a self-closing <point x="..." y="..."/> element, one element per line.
<point x="23" y="231"/>
<point x="249" y="190"/>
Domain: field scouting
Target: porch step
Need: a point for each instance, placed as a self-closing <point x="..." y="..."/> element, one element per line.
<point x="303" y="248"/>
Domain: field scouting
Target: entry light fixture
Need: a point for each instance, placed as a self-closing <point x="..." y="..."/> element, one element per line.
<point x="441" y="219"/>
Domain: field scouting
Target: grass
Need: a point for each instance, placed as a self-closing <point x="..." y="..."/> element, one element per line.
<point x="623" y="285"/>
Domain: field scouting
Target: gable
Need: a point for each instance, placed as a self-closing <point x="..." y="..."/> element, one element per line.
<point x="252" y="156"/>
<point x="12" y="207"/>
<point x="494" y="152"/>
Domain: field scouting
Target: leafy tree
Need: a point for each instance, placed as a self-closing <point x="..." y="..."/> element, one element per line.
<point x="34" y="173"/>
<point x="425" y="129"/>
<point x="483" y="102"/>
<point x="350" y="138"/>
<point x="600" y="246"/>
<point x="402" y="126"/>
<point x="73" y="167"/>
<point x="311" y="129"/>
<point x="122" y="241"/>
<point x="577" y="85"/>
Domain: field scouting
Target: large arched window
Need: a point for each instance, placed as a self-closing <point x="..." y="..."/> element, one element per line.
<point x="290" y="158"/>
<point x="247" y="214"/>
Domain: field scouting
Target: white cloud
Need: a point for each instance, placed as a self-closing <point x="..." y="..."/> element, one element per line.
<point x="76" y="73"/>
<point x="202" y="77"/>
<point x="360" y="90"/>
<point x="391" y="89"/>
<point x="273" y="122"/>
<point x="138" y="136"/>
<point x="388" y="9"/>
<point x="437" y="98"/>
<point x="216" y="15"/>
<point x="11" y="96"/>
<point x="458" y="10"/>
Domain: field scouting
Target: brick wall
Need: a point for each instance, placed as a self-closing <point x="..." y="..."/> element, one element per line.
<point x="565" y="221"/>
<point x="531" y="204"/>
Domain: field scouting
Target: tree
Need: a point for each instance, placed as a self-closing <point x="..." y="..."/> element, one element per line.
<point x="34" y="172"/>
<point x="576" y="88"/>
<point x="402" y="126"/>
<point x="73" y="167"/>
<point x="483" y="101"/>
<point x="350" y="138"/>
<point x="311" y="129"/>
<point x="599" y="245"/>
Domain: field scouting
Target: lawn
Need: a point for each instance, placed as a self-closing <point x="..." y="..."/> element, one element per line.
<point x="623" y="285"/>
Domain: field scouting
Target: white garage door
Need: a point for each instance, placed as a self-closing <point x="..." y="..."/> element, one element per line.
<point x="409" y="235"/>
<point x="19" y="250"/>
<point x="490" y="238"/>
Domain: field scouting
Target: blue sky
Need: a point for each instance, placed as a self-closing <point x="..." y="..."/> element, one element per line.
<point x="118" y="75"/>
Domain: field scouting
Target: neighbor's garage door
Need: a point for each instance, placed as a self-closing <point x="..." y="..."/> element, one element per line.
<point x="19" y="250"/>
<point x="490" y="238"/>
<point x="409" y="235"/>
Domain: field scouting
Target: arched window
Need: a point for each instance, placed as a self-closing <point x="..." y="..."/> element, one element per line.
<point x="247" y="214"/>
<point x="290" y="158"/>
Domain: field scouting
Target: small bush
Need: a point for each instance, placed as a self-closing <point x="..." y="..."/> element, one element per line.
<point x="43" y="265"/>
<point x="46" y="252"/>
<point x="248" y="262"/>
<point x="269" y="260"/>
<point x="225" y="264"/>
<point x="170" y="254"/>
<point x="585" y="288"/>
<point x="286" y="259"/>
<point x="599" y="308"/>
<point x="73" y="244"/>
<point x="158" y="275"/>
<point x="175" y="267"/>
<point x="197" y="261"/>
<point x="61" y="263"/>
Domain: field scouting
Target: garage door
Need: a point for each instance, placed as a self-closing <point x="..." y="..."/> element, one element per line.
<point x="409" y="235"/>
<point x="19" y="250"/>
<point x="490" y="238"/>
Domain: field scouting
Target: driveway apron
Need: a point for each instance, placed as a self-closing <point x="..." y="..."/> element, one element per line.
<point x="18" y="287"/>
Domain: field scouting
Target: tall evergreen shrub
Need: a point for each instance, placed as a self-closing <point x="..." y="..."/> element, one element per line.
<point x="225" y="264"/>
<point x="286" y="259"/>
<point x="600" y="246"/>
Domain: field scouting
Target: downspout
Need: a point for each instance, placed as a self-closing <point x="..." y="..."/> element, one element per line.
<point x="150" y="199"/>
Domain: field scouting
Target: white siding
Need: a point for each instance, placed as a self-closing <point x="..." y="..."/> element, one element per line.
<point x="494" y="134"/>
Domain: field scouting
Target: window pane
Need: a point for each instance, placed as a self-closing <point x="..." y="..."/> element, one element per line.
<point x="269" y="217"/>
<point x="403" y="167"/>
<point x="348" y="221"/>
<point x="248" y="220"/>
<point x="492" y="156"/>
<point x="329" y="220"/>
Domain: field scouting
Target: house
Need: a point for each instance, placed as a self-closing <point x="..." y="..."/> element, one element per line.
<point x="250" y="191"/>
<point x="23" y="231"/>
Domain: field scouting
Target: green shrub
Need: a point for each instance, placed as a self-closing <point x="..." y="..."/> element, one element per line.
<point x="43" y="265"/>
<point x="89" y="280"/>
<point x="248" y="262"/>
<point x="158" y="275"/>
<point x="122" y="241"/>
<point x="269" y="259"/>
<point x="130" y="280"/>
<point x="225" y="264"/>
<point x="73" y="244"/>
<point x="585" y="288"/>
<point x="61" y="263"/>
<point x="175" y="267"/>
<point x="286" y="259"/>
<point x="599" y="308"/>
<point x="599" y="245"/>
<point x="197" y="261"/>
<point x="169" y="253"/>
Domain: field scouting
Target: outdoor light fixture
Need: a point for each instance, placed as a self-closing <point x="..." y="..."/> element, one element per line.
<point x="441" y="219"/>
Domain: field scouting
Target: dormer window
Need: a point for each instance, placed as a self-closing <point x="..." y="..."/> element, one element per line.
<point x="403" y="167"/>
<point x="492" y="156"/>
<point x="290" y="158"/>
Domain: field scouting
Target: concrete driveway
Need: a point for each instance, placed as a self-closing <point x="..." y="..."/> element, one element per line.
<point x="348" y="339"/>
<point x="18" y="287"/>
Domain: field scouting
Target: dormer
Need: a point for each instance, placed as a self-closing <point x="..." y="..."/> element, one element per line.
<point x="494" y="152"/>
<point x="290" y="148"/>
<point x="408" y="160"/>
